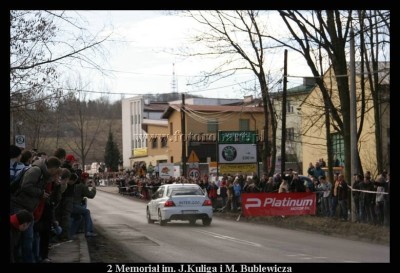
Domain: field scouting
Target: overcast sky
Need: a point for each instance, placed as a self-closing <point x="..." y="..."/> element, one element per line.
<point x="140" y="57"/>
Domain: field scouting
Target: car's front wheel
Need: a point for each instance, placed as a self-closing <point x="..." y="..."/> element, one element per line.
<point x="149" y="220"/>
<point x="207" y="221"/>
<point x="160" y="221"/>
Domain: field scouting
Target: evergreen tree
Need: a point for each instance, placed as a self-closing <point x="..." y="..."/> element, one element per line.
<point x="112" y="155"/>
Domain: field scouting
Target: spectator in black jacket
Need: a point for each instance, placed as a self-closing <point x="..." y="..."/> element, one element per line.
<point x="342" y="191"/>
<point x="296" y="185"/>
<point x="358" y="178"/>
<point x="386" y="203"/>
<point x="367" y="200"/>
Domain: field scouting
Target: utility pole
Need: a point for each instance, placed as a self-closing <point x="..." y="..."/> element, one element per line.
<point x="283" y="137"/>
<point x="183" y="139"/>
<point x="353" y="121"/>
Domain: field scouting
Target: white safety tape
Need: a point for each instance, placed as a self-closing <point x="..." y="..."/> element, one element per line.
<point x="381" y="192"/>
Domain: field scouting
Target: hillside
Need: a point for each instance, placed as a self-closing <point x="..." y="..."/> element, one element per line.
<point x="96" y="153"/>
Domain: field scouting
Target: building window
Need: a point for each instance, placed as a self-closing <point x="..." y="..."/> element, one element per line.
<point x="172" y="159"/>
<point x="338" y="149"/>
<point x="290" y="134"/>
<point x="212" y="126"/>
<point x="244" y="124"/>
<point x="171" y="129"/>
<point x="164" y="142"/>
<point x="154" y="142"/>
<point x="289" y="107"/>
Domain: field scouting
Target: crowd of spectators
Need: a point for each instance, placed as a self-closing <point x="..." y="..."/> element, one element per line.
<point x="370" y="197"/>
<point x="49" y="205"/>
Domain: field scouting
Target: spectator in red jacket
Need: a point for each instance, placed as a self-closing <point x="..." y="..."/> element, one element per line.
<point x="19" y="222"/>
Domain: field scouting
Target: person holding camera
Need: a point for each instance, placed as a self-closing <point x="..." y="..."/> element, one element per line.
<point x="80" y="211"/>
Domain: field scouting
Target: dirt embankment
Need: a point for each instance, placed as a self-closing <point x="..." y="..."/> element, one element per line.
<point x="322" y="225"/>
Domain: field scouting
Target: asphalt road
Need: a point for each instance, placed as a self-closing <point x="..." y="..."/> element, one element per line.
<point x="123" y="220"/>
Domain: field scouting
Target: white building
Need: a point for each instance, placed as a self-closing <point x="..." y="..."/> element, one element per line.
<point x="133" y="137"/>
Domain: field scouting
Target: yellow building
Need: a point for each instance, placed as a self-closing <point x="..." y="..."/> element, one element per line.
<point x="202" y="124"/>
<point x="157" y="144"/>
<point x="314" y="129"/>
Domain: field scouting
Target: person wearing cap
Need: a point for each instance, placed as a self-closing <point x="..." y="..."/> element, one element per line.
<point x="70" y="158"/>
<point x="72" y="164"/>
<point x="68" y="162"/>
<point x="82" y="191"/>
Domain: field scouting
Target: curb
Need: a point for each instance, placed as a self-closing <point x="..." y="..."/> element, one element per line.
<point x="84" y="256"/>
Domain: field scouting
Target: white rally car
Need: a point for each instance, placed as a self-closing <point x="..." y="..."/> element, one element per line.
<point x="187" y="202"/>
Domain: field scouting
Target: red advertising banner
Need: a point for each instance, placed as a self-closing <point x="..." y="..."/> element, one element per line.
<point x="277" y="204"/>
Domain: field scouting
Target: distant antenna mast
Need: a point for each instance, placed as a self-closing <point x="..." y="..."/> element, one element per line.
<point x="174" y="83"/>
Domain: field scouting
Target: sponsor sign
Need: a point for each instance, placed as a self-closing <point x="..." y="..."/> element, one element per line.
<point x="177" y="171"/>
<point x="140" y="152"/>
<point x="242" y="137"/>
<point x="237" y="168"/>
<point x="237" y="153"/>
<point x="276" y="204"/>
<point x="166" y="170"/>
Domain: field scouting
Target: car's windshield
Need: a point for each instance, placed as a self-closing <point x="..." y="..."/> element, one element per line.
<point x="184" y="191"/>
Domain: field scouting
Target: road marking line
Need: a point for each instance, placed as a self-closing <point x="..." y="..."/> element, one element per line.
<point x="224" y="237"/>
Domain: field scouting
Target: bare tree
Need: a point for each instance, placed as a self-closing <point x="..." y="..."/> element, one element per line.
<point x="85" y="127"/>
<point x="236" y="38"/>
<point x="323" y="35"/>
<point x="42" y="43"/>
<point x="374" y="35"/>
